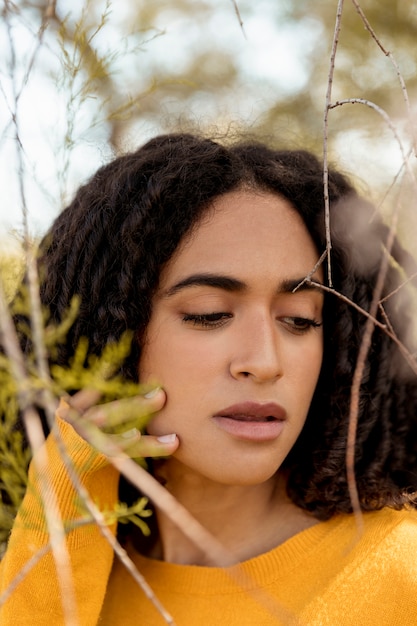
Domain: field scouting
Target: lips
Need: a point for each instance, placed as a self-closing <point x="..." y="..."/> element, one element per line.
<point x="253" y="412"/>
<point x="252" y="421"/>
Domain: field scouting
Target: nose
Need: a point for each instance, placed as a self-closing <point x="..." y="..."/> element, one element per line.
<point x="257" y="352"/>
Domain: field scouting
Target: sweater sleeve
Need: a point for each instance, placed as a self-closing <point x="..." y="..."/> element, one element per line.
<point x="36" y="598"/>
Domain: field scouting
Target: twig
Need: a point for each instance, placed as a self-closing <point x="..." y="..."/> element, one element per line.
<point x="388" y="121"/>
<point x="48" y="12"/>
<point x="392" y="184"/>
<point x="409" y="357"/>
<point x="358" y="376"/>
<point x="37" y="331"/>
<point x="19" y="147"/>
<point x="36" y="439"/>
<point x="11" y="344"/>
<point x="239" y="17"/>
<point x="325" y="137"/>
<point x="395" y="291"/>
<point x="23" y="572"/>
<point x="179" y="515"/>
<point x="309" y="276"/>
<point x="98" y="519"/>
<point x="148" y="485"/>
<point x="389" y="55"/>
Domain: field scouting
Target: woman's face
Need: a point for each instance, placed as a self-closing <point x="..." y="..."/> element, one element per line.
<point x="236" y="351"/>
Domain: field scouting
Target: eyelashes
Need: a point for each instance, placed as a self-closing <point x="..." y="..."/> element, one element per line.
<point x="300" y="325"/>
<point x="296" y="325"/>
<point x="207" y="320"/>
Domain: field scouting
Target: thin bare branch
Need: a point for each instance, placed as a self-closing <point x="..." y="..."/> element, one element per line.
<point x="388" y="121"/>
<point x="327" y="107"/>
<point x="15" y="114"/>
<point x="358" y="377"/>
<point x="309" y="276"/>
<point x="389" y="55"/>
<point x="99" y="520"/>
<point x="148" y="485"/>
<point x="49" y="11"/>
<point x="239" y="17"/>
<point x="401" y="286"/>
<point x="23" y="572"/>
<point x="36" y="439"/>
<point x="411" y="360"/>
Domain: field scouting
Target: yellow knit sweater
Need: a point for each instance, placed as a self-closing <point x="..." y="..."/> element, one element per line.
<point x="325" y="575"/>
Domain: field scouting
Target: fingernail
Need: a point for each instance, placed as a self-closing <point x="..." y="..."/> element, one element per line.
<point x="152" y="393"/>
<point x="167" y="438"/>
<point x="130" y="434"/>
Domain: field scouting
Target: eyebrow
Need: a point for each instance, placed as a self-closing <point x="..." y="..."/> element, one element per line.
<point x="233" y="285"/>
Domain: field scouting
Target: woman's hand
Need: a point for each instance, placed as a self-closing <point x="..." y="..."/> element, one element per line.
<point x="92" y="420"/>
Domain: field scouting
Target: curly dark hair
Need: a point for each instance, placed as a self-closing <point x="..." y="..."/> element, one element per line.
<point x="111" y="243"/>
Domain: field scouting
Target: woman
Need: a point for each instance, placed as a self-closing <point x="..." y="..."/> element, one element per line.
<point x="211" y="256"/>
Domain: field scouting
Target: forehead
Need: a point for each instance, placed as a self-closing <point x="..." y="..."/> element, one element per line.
<point x="247" y="232"/>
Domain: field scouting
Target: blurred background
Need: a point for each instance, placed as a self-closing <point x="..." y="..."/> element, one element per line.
<point x="81" y="81"/>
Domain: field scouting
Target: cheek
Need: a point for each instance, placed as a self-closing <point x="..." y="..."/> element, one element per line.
<point x="158" y="426"/>
<point x="167" y="363"/>
<point x="173" y="358"/>
<point x="309" y="369"/>
<point x="182" y="400"/>
<point x="157" y="358"/>
<point x="314" y="359"/>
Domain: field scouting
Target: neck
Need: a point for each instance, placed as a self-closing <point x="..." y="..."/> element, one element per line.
<point x="247" y="519"/>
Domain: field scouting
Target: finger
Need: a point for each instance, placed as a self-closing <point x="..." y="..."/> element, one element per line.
<point x="84" y="399"/>
<point x="135" y="410"/>
<point x="70" y="408"/>
<point x="138" y="446"/>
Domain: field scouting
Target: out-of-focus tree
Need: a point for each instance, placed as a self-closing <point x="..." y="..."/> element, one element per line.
<point x="161" y="81"/>
<point x="112" y="74"/>
<point x="361" y="69"/>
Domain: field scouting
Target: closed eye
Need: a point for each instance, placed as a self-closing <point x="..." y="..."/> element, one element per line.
<point x="206" y="320"/>
<point x="300" y="325"/>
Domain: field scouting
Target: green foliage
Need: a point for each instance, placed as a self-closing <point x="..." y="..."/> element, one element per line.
<point x="14" y="456"/>
<point x="124" y="514"/>
<point x="120" y="514"/>
<point x="11" y="271"/>
<point x="83" y="371"/>
<point x="90" y="371"/>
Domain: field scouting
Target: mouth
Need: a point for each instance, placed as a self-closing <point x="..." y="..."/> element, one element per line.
<point x="253" y="412"/>
<point x="252" y="421"/>
<point x="250" y="418"/>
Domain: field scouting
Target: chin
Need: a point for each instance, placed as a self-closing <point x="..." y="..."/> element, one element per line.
<point x="246" y="478"/>
<point x="237" y="473"/>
